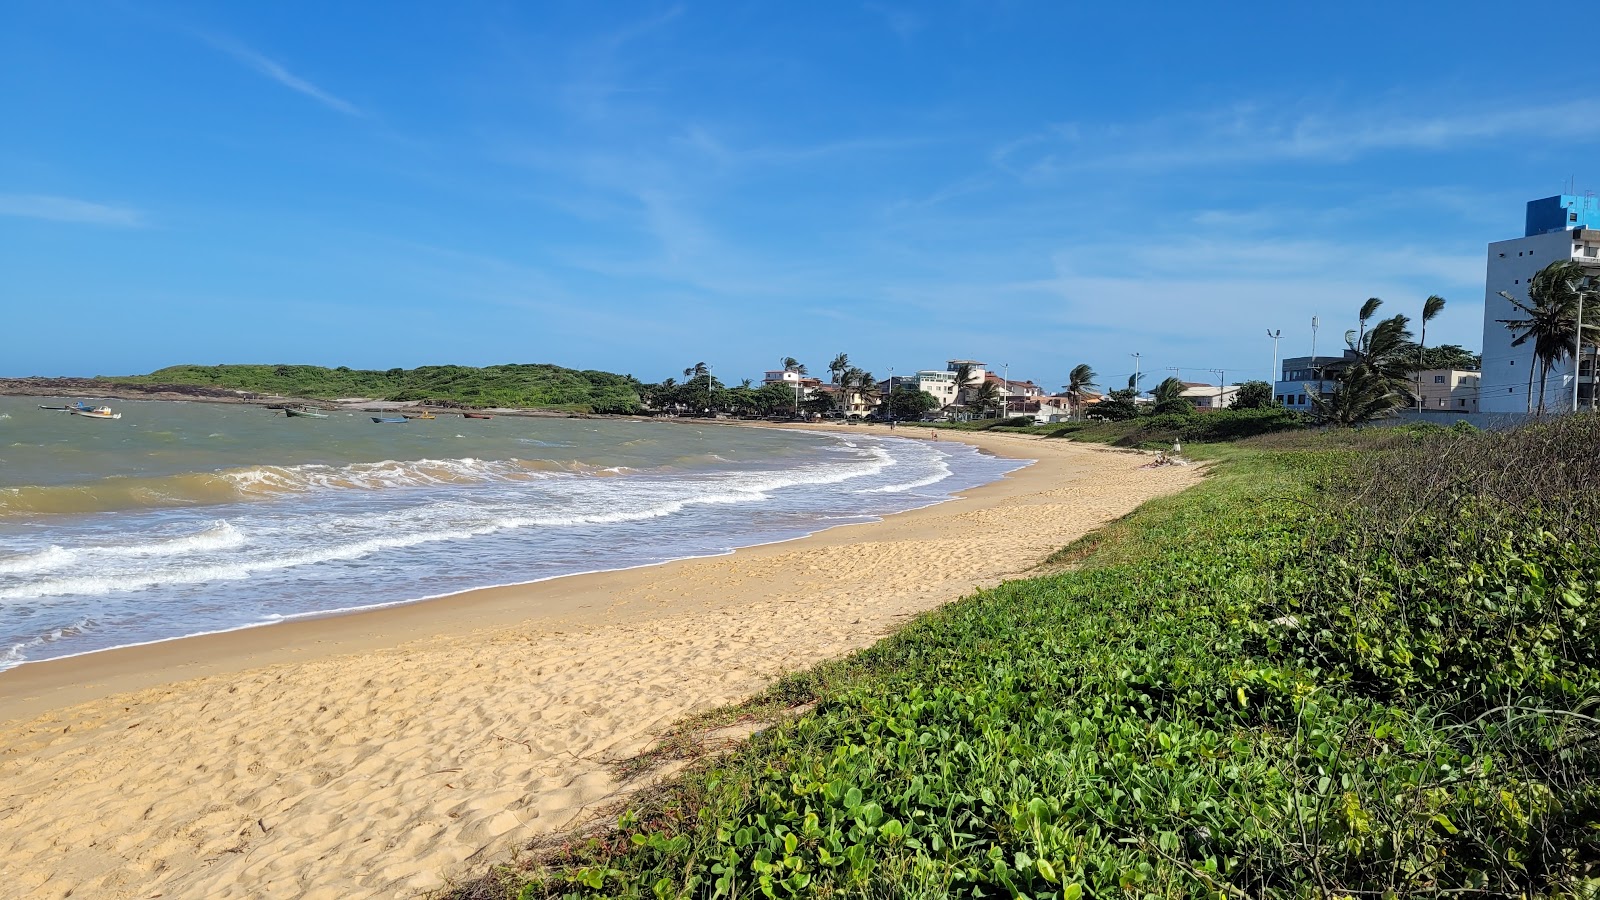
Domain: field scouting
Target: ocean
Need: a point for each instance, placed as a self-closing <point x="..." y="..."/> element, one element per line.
<point x="192" y="518"/>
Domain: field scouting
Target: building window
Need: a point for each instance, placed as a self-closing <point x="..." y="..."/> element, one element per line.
<point x="1439" y="379"/>
<point x="1464" y="403"/>
<point x="1590" y="252"/>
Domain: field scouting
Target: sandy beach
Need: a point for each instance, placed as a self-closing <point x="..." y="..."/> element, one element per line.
<point x="387" y="753"/>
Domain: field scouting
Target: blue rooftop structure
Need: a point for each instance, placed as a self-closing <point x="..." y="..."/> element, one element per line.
<point x="1562" y="212"/>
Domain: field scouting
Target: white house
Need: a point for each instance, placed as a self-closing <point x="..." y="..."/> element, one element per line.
<point x="1556" y="228"/>
<point x="1210" y="396"/>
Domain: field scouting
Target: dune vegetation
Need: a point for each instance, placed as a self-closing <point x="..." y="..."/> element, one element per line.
<point x="522" y="385"/>
<point x="1348" y="664"/>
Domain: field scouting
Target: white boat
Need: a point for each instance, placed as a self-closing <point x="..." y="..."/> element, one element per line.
<point x="99" y="412"/>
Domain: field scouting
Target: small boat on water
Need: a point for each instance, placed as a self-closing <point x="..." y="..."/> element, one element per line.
<point x="99" y="412"/>
<point x="420" y="415"/>
<point x="302" y="412"/>
<point x="467" y="415"/>
<point x="390" y="420"/>
<point x="76" y="406"/>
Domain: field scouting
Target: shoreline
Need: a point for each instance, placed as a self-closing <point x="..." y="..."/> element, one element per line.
<point x="35" y="687"/>
<point x="385" y="752"/>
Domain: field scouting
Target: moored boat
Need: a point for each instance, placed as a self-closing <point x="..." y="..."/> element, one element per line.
<point x="467" y="415"/>
<point x="420" y="415"/>
<point x="390" y="420"/>
<point x="304" y="413"/>
<point x="99" y="412"/>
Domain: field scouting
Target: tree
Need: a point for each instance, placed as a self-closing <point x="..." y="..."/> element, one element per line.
<point x="985" y="397"/>
<point x="859" y="383"/>
<point x="1375" y="383"/>
<point x="1449" y="356"/>
<point x="790" y="364"/>
<point x="907" y="402"/>
<point x="1367" y="309"/>
<point x="1550" y="318"/>
<point x="1079" y="381"/>
<point x="838" y="367"/>
<point x="1168" y="398"/>
<point x="962" y="378"/>
<point x="1431" y="307"/>
<point x="1254" y="395"/>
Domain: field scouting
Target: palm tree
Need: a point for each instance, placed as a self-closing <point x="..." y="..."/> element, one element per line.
<point x="1551" y="319"/>
<point x="860" y="383"/>
<point x="790" y="364"/>
<point x="1375" y="383"/>
<point x="1431" y="308"/>
<point x="1079" y="381"/>
<point x="985" y="396"/>
<point x="963" y="378"/>
<point x="1367" y="309"/>
<point x="838" y="367"/>
<point x="1169" y="398"/>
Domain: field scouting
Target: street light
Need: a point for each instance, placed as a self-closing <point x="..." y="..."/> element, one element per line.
<point x="1005" y="392"/>
<point x="1275" y="335"/>
<point x="1135" y="374"/>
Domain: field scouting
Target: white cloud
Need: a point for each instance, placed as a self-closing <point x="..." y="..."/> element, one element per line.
<point x="67" y="209"/>
<point x="278" y="73"/>
<point x="1256" y="134"/>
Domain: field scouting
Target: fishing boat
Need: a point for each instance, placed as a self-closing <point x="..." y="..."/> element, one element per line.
<point x="420" y="415"/>
<point x="76" y="406"/>
<point x="99" y="412"/>
<point x="390" y="420"/>
<point x="304" y="413"/>
<point x="62" y="408"/>
<point x="467" y="415"/>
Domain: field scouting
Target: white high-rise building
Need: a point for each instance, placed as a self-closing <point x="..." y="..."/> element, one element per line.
<point x="1557" y="228"/>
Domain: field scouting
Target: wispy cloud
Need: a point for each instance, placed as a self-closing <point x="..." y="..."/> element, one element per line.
<point x="904" y="23"/>
<point x="1259" y="134"/>
<point x="275" y="71"/>
<point x="67" y="209"/>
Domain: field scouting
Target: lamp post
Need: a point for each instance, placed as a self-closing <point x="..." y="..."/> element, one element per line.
<point x="1275" y="335"/>
<point x="1005" y="389"/>
<point x="1135" y="374"/>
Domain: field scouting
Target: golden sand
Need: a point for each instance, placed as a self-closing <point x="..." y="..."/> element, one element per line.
<point x="386" y="753"/>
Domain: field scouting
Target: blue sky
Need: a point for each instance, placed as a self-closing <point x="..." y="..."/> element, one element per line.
<point x="639" y="186"/>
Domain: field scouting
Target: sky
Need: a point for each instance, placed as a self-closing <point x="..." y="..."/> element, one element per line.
<point x="640" y="186"/>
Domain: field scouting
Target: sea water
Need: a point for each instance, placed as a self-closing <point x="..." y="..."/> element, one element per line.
<point x="191" y="518"/>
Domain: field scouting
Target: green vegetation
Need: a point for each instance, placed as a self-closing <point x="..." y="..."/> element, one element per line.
<point x="1363" y="666"/>
<point x="531" y="385"/>
<point x="1151" y="430"/>
<point x="1549" y="319"/>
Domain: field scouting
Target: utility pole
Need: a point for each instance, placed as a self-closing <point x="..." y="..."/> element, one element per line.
<point x="1273" y="379"/>
<point x="1005" y="391"/>
<point x="888" y="397"/>
<point x="1135" y="374"/>
<point x="1222" y="380"/>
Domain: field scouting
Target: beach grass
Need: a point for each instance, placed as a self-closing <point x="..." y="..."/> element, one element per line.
<point x="1357" y="665"/>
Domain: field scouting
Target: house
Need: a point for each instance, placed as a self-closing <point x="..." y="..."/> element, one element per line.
<point x="1307" y="375"/>
<point x="942" y="384"/>
<point x="803" y="385"/>
<point x="1556" y="228"/>
<point x="1448" y="390"/>
<point x="1210" y="396"/>
<point x="1021" y="396"/>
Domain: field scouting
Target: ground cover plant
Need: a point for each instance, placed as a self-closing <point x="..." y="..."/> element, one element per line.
<point x="522" y="385"/>
<point x="1361" y="665"/>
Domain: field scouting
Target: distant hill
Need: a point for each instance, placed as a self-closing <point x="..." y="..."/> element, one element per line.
<point x="527" y="385"/>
